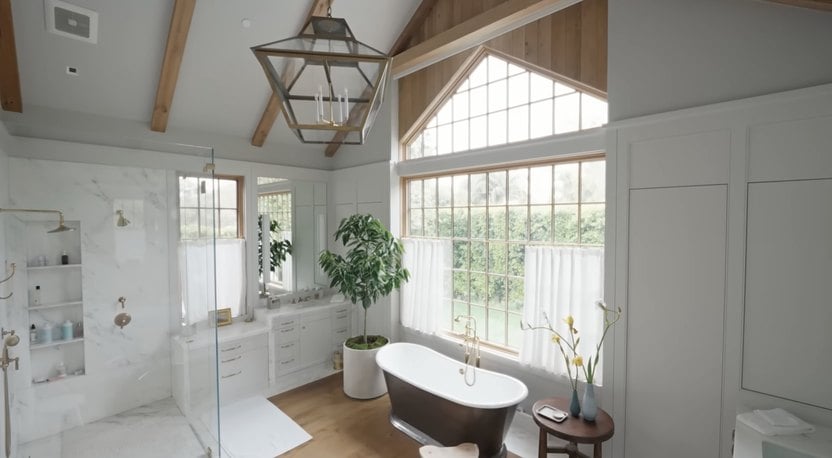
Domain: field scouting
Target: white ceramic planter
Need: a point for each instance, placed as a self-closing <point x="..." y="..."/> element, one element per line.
<point x="363" y="379"/>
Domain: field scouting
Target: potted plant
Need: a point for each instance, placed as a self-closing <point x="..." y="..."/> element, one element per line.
<point x="371" y="269"/>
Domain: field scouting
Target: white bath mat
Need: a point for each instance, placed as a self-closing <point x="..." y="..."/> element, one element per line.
<point x="256" y="428"/>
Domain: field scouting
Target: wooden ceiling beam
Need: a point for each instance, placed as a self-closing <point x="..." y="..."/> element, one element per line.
<point x="10" y="98"/>
<point x="413" y="25"/>
<point x="823" y="5"/>
<point x="180" y="24"/>
<point x="490" y="24"/>
<point x="272" y="110"/>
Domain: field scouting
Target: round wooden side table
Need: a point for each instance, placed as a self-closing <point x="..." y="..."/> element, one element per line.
<point x="573" y="430"/>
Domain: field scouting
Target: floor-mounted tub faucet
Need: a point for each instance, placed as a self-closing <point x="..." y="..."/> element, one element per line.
<point x="471" y="346"/>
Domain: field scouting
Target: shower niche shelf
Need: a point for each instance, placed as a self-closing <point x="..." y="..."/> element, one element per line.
<point x="60" y="299"/>
<point x="56" y="343"/>
<point x="57" y="266"/>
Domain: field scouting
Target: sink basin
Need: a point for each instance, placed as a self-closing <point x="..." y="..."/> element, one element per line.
<point x="772" y="450"/>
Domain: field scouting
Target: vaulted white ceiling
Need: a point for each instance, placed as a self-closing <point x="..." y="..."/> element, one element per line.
<point x="221" y="91"/>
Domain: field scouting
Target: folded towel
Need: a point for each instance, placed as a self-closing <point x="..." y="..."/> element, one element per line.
<point x="762" y="426"/>
<point x="778" y="417"/>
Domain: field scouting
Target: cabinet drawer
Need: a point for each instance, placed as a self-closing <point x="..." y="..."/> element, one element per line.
<point x="340" y="335"/>
<point x="246" y="374"/>
<point x="287" y="334"/>
<point x="284" y="322"/>
<point x="287" y="364"/>
<point x="237" y="347"/>
<point x="287" y="348"/>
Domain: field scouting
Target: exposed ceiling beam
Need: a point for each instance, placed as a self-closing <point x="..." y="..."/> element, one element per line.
<point x="9" y="76"/>
<point x="400" y="45"/>
<point x="825" y="5"/>
<point x="180" y="23"/>
<point x="490" y="24"/>
<point x="272" y="111"/>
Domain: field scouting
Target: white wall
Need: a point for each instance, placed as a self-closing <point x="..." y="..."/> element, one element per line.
<point x="680" y="343"/>
<point x="363" y="189"/>
<point x="5" y="289"/>
<point x="671" y="54"/>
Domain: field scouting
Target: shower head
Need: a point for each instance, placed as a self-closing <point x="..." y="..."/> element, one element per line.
<point x="61" y="226"/>
<point x="11" y="340"/>
<point x="122" y="221"/>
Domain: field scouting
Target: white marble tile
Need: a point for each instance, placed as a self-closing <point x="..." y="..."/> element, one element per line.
<point x="125" y="368"/>
<point x="157" y="430"/>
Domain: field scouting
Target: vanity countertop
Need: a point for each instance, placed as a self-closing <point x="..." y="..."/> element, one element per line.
<point x="260" y="325"/>
<point x="234" y="331"/>
<point x="262" y="314"/>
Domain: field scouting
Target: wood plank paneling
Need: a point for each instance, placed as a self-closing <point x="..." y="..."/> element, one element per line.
<point x="594" y="43"/>
<point x="571" y="42"/>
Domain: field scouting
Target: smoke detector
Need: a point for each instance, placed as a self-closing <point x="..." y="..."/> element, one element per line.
<point x="68" y="20"/>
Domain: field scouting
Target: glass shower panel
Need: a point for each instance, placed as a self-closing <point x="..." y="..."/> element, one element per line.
<point x="117" y="349"/>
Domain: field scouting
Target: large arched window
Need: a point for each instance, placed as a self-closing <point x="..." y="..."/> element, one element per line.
<point x="500" y="101"/>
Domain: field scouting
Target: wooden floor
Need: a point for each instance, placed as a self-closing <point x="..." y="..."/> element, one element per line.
<point x="340" y="426"/>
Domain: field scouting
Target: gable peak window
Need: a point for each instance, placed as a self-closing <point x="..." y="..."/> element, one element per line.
<point x="501" y="101"/>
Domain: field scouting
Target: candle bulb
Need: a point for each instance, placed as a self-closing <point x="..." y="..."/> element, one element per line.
<point x="341" y="109"/>
<point x="317" y="110"/>
<point x="346" y="105"/>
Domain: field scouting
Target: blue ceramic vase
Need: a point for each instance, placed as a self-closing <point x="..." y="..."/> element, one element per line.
<point x="590" y="407"/>
<point x="575" y="405"/>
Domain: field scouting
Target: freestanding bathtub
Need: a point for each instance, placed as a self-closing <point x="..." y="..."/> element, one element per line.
<point x="431" y="402"/>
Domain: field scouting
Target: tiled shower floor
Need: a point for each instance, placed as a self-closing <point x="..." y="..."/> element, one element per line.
<point x="156" y="430"/>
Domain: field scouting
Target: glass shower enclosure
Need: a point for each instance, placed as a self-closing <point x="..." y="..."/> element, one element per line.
<point x="109" y="325"/>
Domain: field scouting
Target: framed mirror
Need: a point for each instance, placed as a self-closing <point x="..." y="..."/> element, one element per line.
<point x="291" y="221"/>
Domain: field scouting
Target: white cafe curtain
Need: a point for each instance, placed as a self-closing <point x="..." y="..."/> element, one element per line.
<point x="428" y="261"/>
<point x="196" y="273"/>
<point x="561" y="281"/>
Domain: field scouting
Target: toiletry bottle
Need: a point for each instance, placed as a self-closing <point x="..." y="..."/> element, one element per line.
<point x="33" y="334"/>
<point x="66" y="330"/>
<point x="36" y="295"/>
<point x="64" y="258"/>
<point x="61" y="369"/>
<point x="46" y="332"/>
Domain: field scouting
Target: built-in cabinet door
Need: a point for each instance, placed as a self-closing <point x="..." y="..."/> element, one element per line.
<point x="315" y="344"/>
<point x="787" y="342"/>
<point x="675" y="312"/>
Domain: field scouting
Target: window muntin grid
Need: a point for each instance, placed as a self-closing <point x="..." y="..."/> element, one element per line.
<point x="500" y="103"/>
<point x="490" y="216"/>
<point x="209" y="207"/>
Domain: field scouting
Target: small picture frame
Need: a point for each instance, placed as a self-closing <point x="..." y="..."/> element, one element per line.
<point x="223" y="317"/>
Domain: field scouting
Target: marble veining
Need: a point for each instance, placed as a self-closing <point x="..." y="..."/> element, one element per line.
<point x="156" y="430"/>
<point x="125" y="368"/>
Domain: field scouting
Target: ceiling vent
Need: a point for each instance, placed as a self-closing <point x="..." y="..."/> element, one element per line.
<point x="71" y="21"/>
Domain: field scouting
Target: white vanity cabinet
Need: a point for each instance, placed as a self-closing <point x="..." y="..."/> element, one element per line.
<point x="307" y="336"/>
<point x="243" y="366"/>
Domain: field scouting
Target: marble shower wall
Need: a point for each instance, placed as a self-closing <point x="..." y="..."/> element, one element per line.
<point x="125" y="368"/>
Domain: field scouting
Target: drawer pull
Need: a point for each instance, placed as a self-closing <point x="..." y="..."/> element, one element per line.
<point x="232" y="348"/>
<point x="341" y="316"/>
<point x="287" y="329"/>
<point x="285" y="323"/>
<point x="232" y="375"/>
<point x="341" y="331"/>
<point x="283" y="347"/>
<point x="341" y="311"/>
<point x="232" y="359"/>
<point x="287" y="361"/>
